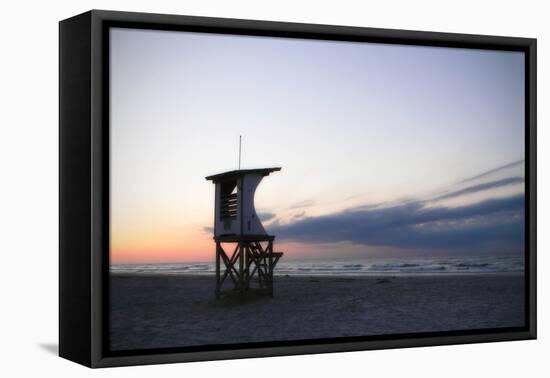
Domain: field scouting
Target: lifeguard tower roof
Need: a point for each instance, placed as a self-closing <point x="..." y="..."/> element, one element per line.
<point x="241" y="172"/>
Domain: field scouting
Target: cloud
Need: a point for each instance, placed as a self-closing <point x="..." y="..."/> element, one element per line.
<point x="482" y="187"/>
<point x="299" y="215"/>
<point x="494" y="170"/>
<point x="412" y="225"/>
<point x="305" y="203"/>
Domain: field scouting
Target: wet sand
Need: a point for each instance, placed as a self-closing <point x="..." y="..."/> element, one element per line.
<point x="161" y="310"/>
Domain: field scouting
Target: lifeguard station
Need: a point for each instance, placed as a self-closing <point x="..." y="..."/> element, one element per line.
<point x="242" y="244"/>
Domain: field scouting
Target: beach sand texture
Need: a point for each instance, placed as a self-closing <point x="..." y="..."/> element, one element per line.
<point x="162" y="311"/>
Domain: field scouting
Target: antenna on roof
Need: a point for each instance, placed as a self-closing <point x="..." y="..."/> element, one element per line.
<point x="240" y="137"/>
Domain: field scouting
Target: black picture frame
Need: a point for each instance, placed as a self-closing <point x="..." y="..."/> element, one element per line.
<point x="84" y="186"/>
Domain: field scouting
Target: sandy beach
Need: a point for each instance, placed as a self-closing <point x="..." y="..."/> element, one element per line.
<point x="161" y="310"/>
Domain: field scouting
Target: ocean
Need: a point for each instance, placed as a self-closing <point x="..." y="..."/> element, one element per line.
<point x="373" y="265"/>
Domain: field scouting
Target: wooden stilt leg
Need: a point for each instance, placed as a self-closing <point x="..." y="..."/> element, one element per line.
<point x="218" y="278"/>
<point x="247" y="266"/>
<point x="270" y="257"/>
<point x="241" y="269"/>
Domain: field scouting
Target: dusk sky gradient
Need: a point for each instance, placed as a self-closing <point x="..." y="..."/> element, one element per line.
<point x="384" y="149"/>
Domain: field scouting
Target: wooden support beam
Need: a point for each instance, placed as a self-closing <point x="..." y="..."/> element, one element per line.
<point x="254" y="260"/>
<point x="229" y="266"/>
<point x="218" y="283"/>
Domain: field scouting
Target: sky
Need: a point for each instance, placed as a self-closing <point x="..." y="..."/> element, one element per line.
<point x="386" y="150"/>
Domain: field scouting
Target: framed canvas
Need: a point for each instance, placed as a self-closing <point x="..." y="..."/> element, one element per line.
<point x="236" y="188"/>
